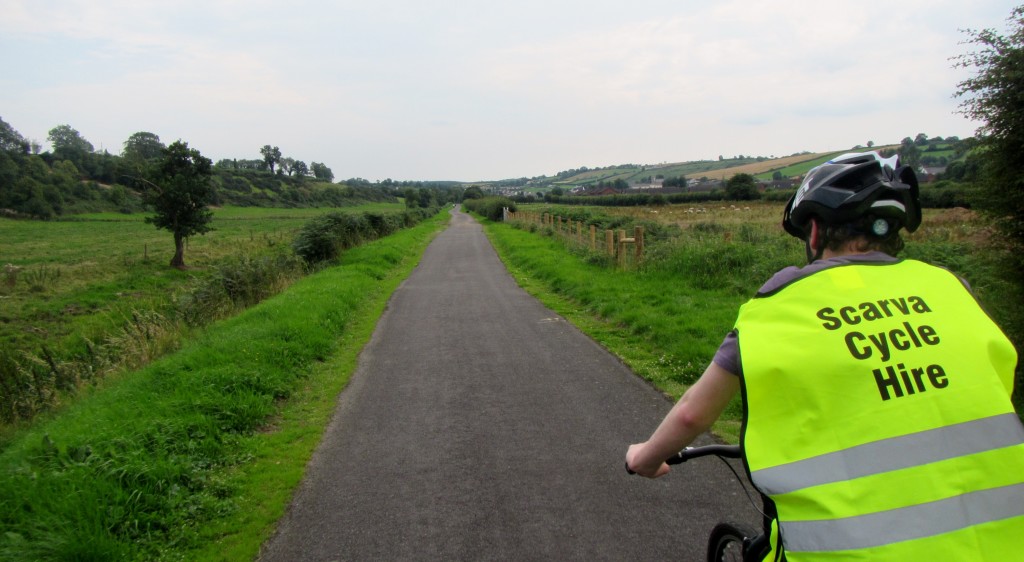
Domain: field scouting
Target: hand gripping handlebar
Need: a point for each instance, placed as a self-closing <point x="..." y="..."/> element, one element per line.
<point x="724" y="451"/>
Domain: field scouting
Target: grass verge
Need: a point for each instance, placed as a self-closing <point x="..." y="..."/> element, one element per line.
<point x="196" y="456"/>
<point x="664" y="331"/>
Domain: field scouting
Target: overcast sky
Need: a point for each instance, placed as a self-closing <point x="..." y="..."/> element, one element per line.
<point x="460" y="90"/>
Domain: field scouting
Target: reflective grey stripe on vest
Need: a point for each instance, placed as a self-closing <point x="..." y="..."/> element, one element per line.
<point x="905" y="451"/>
<point x="905" y="523"/>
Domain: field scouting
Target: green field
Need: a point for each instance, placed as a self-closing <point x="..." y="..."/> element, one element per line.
<point x="100" y="285"/>
<point x="195" y="457"/>
<point x="108" y="264"/>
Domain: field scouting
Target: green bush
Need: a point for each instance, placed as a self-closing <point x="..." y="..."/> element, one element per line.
<point x="490" y="207"/>
<point x="324" y="238"/>
<point x="946" y="195"/>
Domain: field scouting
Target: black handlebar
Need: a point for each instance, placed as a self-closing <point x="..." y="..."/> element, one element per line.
<point x="724" y="451"/>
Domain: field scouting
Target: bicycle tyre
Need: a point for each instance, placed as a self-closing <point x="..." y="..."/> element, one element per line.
<point x="727" y="542"/>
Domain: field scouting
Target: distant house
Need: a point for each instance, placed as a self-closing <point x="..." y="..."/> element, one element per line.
<point x="930" y="173"/>
<point x="604" y="191"/>
<point x="655" y="183"/>
<point x="706" y="186"/>
<point x="776" y="184"/>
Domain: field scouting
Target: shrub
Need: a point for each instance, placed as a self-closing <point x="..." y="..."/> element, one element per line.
<point x="324" y="238"/>
<point x="490" y="207"/>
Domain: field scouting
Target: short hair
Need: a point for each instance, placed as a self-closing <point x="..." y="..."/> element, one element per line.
<point x="859" y="232"/>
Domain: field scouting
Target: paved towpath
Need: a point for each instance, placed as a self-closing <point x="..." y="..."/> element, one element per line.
<point x="482" y="426"/>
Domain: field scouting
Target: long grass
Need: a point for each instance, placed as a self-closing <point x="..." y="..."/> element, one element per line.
<point x="194" y="457"/>
<point x="111" y="263"/>
<point x="85" y="297"/>
<point x="667" y="318"/>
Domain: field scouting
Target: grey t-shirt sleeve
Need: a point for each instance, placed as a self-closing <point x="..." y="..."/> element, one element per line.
<point x="728" y="354"/>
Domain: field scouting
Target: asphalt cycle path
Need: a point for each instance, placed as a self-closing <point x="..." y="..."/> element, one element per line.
<point x="480" y="425"/>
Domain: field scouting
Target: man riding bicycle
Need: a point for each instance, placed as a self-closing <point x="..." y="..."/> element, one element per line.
<point x="876" y="392"/>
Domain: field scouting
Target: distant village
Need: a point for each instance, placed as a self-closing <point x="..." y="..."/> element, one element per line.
<point x="658" y="184"/>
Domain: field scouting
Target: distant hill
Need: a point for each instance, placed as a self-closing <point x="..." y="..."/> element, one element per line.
<point x="761" y="167"/>
<point x="789" y="166"/>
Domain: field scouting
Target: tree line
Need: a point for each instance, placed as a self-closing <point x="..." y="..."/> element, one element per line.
<point x="74" y="177"/>
<point x="273" y="161"/>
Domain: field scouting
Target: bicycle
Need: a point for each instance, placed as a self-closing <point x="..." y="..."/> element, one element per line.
<point x="728" y="540"/>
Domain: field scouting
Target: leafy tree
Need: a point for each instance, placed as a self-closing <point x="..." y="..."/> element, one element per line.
<point x="9" y="172"/>
<point x="299" y="169"/>
<point x="66" y="140"/>
<point x="741" y="187"/>
<point x="286" y="164"/>
<point x="910" y="154"/>
<point x="322" y="172"/>
<point x="68" y="144"/>
<point x="11" y="140"/>
<point x="993" y="97"/>
<point x="271" y="156"/>
<point x="142" y="146"/>
<point x="473" y="192"/>
<point x="426" y="198"/>
<point x="411" y="197"/>
<point x="921" y="139"/>
<point x="180" y="193"/>
<point x="37" y="200"/>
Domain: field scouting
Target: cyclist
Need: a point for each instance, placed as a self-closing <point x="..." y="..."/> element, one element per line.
<point x="876" y="391"/>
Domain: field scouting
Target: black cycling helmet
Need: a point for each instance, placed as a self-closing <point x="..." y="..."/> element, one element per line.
<point x="854" y="187"/>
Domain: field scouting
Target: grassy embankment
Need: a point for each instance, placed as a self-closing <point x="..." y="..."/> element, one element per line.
<point x="666" y="319"/>
<point x="195" y="456"/>
<point x="92" y="295"/>
<point x="83" y="276"/>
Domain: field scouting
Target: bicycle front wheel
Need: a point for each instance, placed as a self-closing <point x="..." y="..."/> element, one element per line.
<point x="726" y="542"/>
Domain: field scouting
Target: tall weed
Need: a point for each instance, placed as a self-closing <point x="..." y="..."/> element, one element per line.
<point x="37" y="279"/>
<point x="739" y="263"/>
<point x="237" y="283"/>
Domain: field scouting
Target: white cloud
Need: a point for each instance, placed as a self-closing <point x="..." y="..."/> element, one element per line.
<point x="418" y="90"/>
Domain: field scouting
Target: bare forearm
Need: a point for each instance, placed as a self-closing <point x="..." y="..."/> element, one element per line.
<point x="699" y="407"/>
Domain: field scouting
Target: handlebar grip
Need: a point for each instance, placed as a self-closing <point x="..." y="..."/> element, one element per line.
<point x="724" y="451"/>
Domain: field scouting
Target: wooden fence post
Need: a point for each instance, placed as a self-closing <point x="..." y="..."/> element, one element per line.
<point x="639" y="237"/>
<point x="609" y="238"/>
<point x="593" y="237"/>
<point x="622" y="248"/>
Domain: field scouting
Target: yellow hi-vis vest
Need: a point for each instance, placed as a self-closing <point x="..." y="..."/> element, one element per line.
<point x="878" y="419"/>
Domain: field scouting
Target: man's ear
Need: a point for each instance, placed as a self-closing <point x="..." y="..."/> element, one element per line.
<point x="814" y="238"/>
